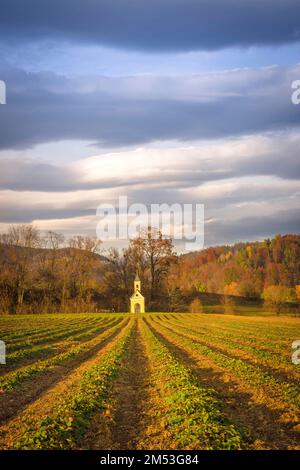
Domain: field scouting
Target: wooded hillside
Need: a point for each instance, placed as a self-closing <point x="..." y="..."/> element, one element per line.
<point x="45" y="273"/>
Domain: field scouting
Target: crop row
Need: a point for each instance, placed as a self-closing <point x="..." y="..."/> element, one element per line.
<point x="41" y="351"/>
<point x="33" y="353"/>
<point x="285" y="392"/>
<point x="202" y="328"/>
<point x="260" y="337"/>
<point x="50" y="334"/>
<point x="249" y="324"/>
<point x="276" y="354"/>
<point x="23" y="327"/>
<point x="71" y="416"/>
<point x="69" y="334"/>
<point x="192" y="414"/>
<point x="260" y="334"/>
<point x="15" y="378"/>
<point x="239" y="346"/>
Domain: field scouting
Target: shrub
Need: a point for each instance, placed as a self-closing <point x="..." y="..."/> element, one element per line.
<point x="277" y="296"/>
<point x="196" y="306"/>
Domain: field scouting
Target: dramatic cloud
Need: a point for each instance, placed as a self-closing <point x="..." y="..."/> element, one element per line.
<point x="243" y="198"/>
<point x="116" y="112"/>
<point x="72" y="137"/>
<point x="169" y="166"/>
<point x="241" y="209"/>
<point x="164" y="25"/>
<point x="224" y="231"/>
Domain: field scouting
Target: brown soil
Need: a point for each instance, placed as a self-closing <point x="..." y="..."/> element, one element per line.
<point x="122" y="425"/>
<point x="59" y="346"/>
<point x="132" y="417"/>
<point x="262" y="425"/>
<point x="43" y="395"/>
<point x="235" y="353"/>
<point x="15" y="401"/>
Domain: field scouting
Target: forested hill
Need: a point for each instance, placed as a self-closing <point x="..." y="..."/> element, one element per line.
<point x="43" y="273"/>
<point x="242" y="269"/>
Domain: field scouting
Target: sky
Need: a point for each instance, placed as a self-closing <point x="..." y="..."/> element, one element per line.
<point x="168" y="101"/>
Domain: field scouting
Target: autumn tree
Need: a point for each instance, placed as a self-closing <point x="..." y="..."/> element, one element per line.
<point x="118" y="278"/>
<point x="83" y="251"/>
<point x="297" y="290"/>
<point x="19" y="243"/>
<point x="154" y="252"/>
<point x="49" y="269"/>
<point x="231" y="289"/>
<point x="196" y="306"/>
<point x="277" y="296"/>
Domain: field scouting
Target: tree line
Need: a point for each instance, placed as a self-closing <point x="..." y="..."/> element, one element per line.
<point x="268" y="270"/>
<point x="44" y="272"/>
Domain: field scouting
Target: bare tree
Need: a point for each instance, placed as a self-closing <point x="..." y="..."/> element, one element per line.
<point x="48" y="270"/>
<point x="119" y="277"/>
<point x="20" y="242"/>
<point x="83" y="253"/>
<point x="156" y="252"/>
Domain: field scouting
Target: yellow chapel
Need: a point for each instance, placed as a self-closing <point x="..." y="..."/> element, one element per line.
<point x="137" y="300"/>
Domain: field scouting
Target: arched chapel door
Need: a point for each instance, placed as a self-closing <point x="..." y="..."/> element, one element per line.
<point x="137" y="308"/>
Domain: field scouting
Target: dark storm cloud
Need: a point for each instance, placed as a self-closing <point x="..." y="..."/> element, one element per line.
<point x="115" y="112"/>
<point x="156" y="25"/>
